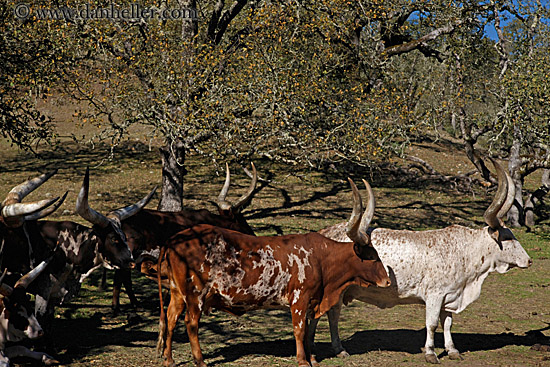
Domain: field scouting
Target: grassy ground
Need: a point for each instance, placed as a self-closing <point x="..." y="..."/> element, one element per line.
<point x="499" y="329"/>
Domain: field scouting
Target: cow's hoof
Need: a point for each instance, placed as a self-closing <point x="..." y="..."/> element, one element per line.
<point x="431" y="358"/>
<point x="49" y="361"/>
<point x="455" y="356"/>
<point x="343" y="354"/>
<point x="314" y="363"/>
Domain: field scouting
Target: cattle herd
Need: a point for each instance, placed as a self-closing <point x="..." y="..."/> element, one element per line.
<point x="211" y="260"/>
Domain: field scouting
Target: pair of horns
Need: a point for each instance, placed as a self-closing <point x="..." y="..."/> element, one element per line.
<point x="25" y="280"/>
<point x="225" y="205"/>
<point x="504" y="198"/>
<point x="357" y="226"/>
<point x="94" y="217"/>
<point x="13" y="208"/>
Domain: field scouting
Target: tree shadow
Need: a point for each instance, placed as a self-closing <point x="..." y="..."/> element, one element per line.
<point x="399" y="340"/>
<point x="76" y="338"/>
<point x="74" y="157"/>
<point x="414" y="214"/>
<point x="411" y="341"/>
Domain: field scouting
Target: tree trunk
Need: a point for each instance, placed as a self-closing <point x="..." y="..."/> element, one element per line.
<point x="470" y="140"/>
<point x="173" y="171"/>
<point x="516" y="214"/>
<point x="173" y="153"/>
<point x="536" y="197"/>
<point x="474" y="157"/>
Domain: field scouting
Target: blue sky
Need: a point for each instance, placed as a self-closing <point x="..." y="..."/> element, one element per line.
<point x="490" y="28"/>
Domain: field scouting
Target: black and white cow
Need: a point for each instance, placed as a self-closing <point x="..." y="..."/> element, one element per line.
<point x="77" y="250"/>
<point x="17" y="320"/>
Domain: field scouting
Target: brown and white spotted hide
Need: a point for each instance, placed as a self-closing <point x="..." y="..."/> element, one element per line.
<point x="210" y="267"/>
<point x="443" y="269"/>
<point x="147" y="230"/>
<point x="80" y="251"/>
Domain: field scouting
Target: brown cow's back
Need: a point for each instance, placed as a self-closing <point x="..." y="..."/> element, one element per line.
<point x="256" y="272"/>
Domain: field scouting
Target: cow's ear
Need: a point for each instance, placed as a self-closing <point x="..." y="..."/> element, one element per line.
<point x="495" y="234"/>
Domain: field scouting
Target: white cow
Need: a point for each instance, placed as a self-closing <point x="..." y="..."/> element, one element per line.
<point x="443" y="269"/>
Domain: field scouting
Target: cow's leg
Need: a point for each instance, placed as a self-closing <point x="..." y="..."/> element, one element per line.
<point x="103" y="284"/>
<point x="446" y="319"/>
<point x="127" y="282"/>
<point x="117" y="285"/>
<point x="175" y="309"/>
<point x="308" y="340"/>
<point x="44" y="312"/>
<point x="22" y="351"/>
<point x="192" y="318"/>
<point x="299" y="323"/>
<point x="311" y="336"/>
<point x="433" y="307"/>
<point x="333" y="318"/>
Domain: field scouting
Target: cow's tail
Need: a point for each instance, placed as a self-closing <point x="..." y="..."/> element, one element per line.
<point x="161" y="343"/>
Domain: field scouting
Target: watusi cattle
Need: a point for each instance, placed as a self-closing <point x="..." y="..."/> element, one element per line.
<point x="17" y="320"/>
<point x="77" y="249"/>
<point x="211" y="267"/>
<point x="149" y="229"/>
<point x="443" y="269"/>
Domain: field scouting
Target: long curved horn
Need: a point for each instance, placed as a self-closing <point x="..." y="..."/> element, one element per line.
<point x="21" y="209"/>
<point x="359" y="222"/>
<point x="510" y="197"/>
<point x="28" y="278"/>
<point x="48" y="210"/>
<point x="352" y="227"/>
<point x="369" y="210"/>
<point x="83" y="208"/>
<point x="130" y="210"/>
<point x="225" y="205"/>
<point x="12" y="206"/>
<point x="248" y="194"/>
<point x="222" y="203"/>
<point x="491" y="214"/>
<point x="20" y="191"/>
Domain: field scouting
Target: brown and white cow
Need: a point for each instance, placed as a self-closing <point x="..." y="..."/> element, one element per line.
<point x="17" y="320"/>
<point x="149" y="229"/>
<point x="211" y="267"/>
<point x="443" y="269"/>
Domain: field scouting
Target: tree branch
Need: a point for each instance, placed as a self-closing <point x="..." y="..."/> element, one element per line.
<point x="227" y="17"/>
<point x="420" y="42"/>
